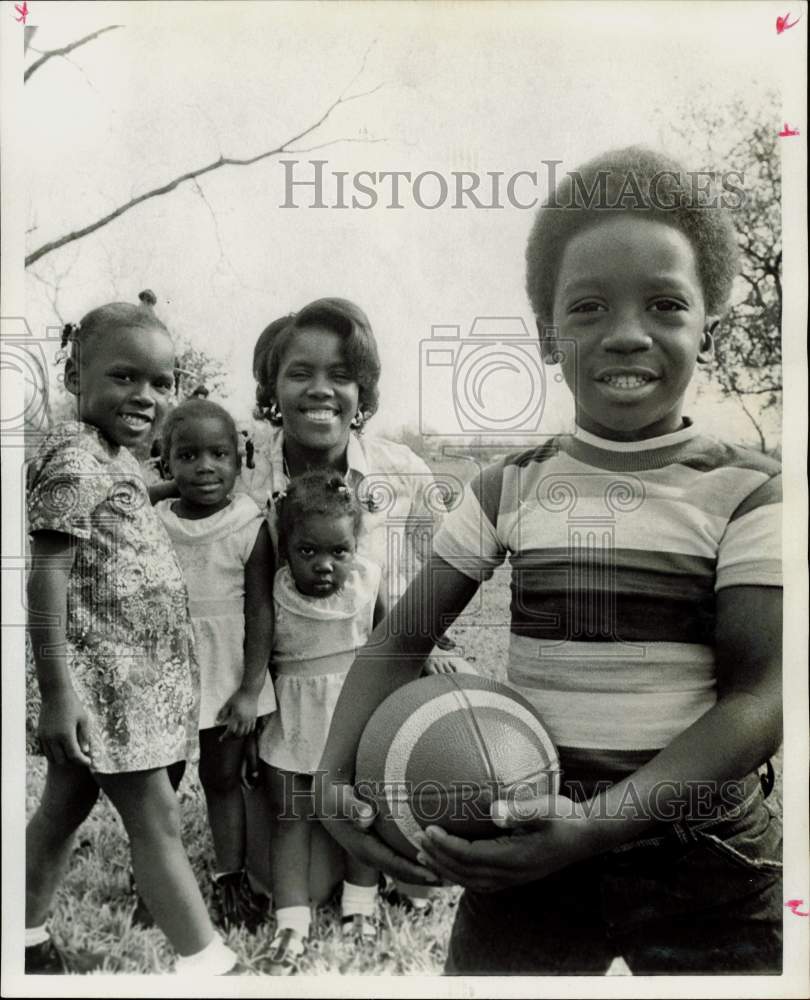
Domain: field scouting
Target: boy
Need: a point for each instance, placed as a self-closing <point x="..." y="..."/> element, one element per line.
<point x="645" y="619"/>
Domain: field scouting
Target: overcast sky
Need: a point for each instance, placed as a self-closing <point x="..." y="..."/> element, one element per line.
<point x="457" y="87"/>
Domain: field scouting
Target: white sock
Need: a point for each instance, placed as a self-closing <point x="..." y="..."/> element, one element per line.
<point x="215" y="959"/>
<point x="358" y="899"/>
<point x="297" y="918"/>
<point x="36" y="935"/>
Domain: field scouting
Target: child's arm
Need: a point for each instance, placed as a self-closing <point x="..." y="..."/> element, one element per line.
<point x="380" y="607"/>
<point x="63" y="724"/>
<point x="743" y="729"/>
<point x="394" y="655"/>
<point x="162" y="491"/>
<point x="239" y="711"/>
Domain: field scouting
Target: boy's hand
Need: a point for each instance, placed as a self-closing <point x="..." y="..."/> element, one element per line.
<point x="546" y="834"/>
<point x="444" y="664"/>
<point x="349" y="819"/>
<point x="238" y="714"/>
<point x="64" y="729"/>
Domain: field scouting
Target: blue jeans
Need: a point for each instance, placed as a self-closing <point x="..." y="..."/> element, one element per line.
<point x="700" y="898"/>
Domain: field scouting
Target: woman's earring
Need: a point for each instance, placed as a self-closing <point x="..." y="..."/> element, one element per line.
<point x="357" y="420"/>
<point x="274" y="413"/>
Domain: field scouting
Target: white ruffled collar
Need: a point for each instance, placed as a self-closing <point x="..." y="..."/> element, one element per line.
<point x="239" y="513"/>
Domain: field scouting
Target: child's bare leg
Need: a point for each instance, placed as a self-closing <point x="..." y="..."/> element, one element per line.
<point x="291" y="810"/>
<point x="360" y="874"/>
<point x="151" y="814"/>
<point x="359" y="899"/>
<point x="220" y="776"/>
<point x="69" y="795"/>
<point x="327" y="865"/>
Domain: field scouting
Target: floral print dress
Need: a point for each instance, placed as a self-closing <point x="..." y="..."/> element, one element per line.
<point x="129" y="645"/>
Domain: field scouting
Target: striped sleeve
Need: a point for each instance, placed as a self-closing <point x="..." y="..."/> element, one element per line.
<point x="750" y="552"/>
<point x="468" y="539"/>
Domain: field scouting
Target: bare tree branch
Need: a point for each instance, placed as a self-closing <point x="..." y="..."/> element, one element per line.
<point x="64" y="51"/>
<point x="334" y="142"/>
<point x="191" y="175"/>
<point x="763" y="444"/>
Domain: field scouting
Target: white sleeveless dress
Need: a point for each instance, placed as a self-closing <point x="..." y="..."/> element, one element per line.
<point x="316" y="640"/>
<point x="213" y="552"/>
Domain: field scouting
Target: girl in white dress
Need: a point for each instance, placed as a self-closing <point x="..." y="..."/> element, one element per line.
<point x="326" y="603"/>
<point x="223" y="545"/>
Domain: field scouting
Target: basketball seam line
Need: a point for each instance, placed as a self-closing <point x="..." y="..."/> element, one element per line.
<point x="482" y="747"/>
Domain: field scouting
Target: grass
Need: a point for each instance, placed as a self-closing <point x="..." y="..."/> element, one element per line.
<point x="94" y="907"/>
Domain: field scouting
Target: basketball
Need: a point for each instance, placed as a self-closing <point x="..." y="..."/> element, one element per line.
<point x="440" y="750"/>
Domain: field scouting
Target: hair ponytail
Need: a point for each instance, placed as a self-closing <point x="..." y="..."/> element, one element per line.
<point x="70" y="332"/>
<point x="105" y="318"/>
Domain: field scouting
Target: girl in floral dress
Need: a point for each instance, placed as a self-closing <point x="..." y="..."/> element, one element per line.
<point x="110" y="637"/>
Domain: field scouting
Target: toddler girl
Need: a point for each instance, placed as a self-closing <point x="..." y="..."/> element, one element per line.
<point x="326" y="603"/>
<point x="223" y="546"/>
<point x="111" y="636"/>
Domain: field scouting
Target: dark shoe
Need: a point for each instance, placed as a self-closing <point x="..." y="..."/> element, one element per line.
<point x="360" y="928"/>
<point x="286" y="950"/>
<point x="393" y="897"/>
<point x="239" y="905"/>
<point x="47" y="960"/>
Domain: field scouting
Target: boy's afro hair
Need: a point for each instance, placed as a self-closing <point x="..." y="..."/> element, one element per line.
<point x="634" y="179"/>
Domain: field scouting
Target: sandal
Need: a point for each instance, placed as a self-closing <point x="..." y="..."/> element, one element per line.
<point x="361" y="927"/>
<point x="286" y="950"/>
<point x="393" y="897"/>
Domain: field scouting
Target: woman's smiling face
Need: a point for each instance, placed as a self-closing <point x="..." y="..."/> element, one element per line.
<point x="315" y="391"/>
<point x="629" y="297"/>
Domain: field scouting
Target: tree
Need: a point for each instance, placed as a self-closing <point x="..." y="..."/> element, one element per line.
<point x="196" y="368"/>
<point x="287" y="146"/>
<point x="749" y="352"/>
<point x="748" y="348"/>
<point x="52" y="53"/>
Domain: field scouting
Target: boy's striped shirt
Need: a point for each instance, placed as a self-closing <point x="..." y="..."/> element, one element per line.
<point x="617" y="550"/>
